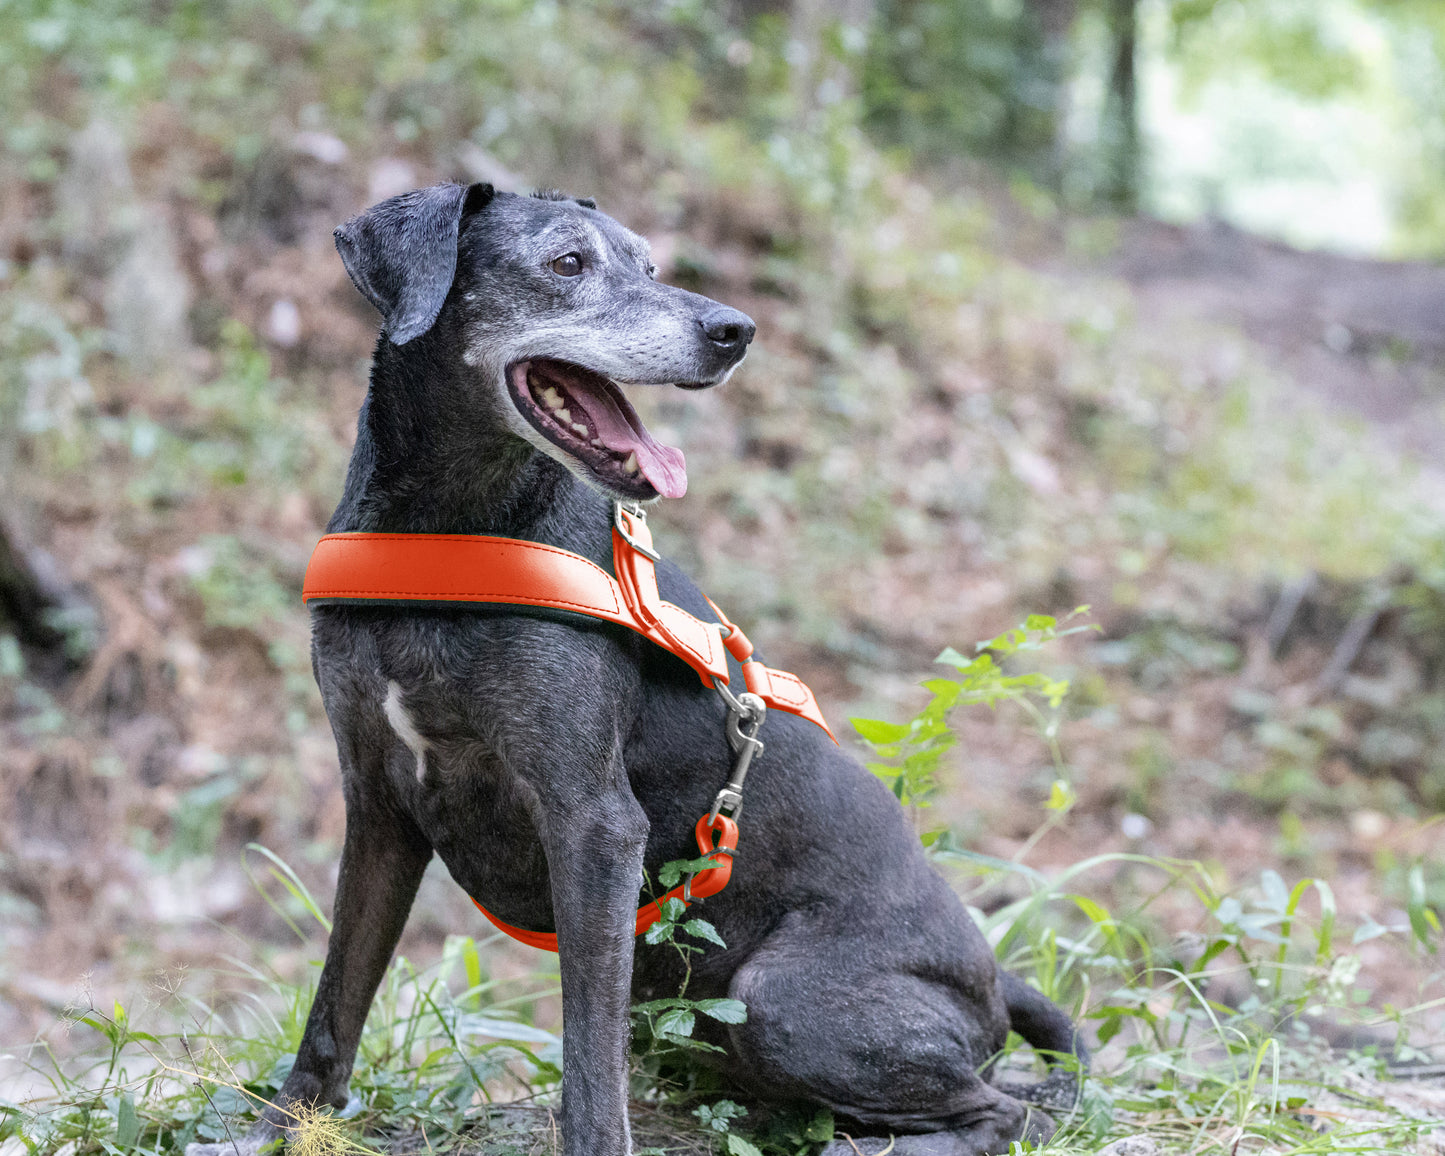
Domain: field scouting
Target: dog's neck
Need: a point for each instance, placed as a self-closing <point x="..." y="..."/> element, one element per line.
<point x="431" y="458"/>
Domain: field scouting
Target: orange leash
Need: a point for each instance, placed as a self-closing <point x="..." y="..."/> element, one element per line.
<point x="707" y="882"/>
<point x="473" y="568"/>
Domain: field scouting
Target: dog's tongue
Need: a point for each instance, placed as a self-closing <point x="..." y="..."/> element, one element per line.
<point x="620" y="429"/>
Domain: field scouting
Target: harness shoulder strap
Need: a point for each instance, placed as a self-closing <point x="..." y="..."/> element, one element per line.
<point x="477" y="569"/>
<point x="459" y="568"/>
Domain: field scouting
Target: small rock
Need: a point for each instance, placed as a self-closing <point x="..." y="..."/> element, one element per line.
<point x="1131" y="1146"/>
<point x="321" y="146"/>
<point x="283" y="323"/>
<point x="390" y="177"/>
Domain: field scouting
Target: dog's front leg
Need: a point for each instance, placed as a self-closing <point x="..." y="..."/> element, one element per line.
<point x="594" y="855"/>
<point x="382" y="862"/>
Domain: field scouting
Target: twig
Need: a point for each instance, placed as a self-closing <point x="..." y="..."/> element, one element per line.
<point x="1291" y="598"/>
<point x="196" y="1083"/>
<point x="1356" y="634"/>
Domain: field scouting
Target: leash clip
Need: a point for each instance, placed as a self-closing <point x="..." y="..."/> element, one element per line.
<point x="745" y="718"/>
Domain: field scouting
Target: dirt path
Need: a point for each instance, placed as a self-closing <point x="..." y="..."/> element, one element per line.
<point x="1366" y="337"/>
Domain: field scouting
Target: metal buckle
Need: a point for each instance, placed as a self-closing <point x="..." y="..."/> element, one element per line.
<point x="640" y="514"/>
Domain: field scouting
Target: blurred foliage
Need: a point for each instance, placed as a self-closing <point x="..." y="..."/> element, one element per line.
<point x="1028" y="85"/>
<point x="964" y="77"/>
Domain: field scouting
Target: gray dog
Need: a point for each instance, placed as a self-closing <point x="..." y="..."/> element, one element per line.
<point x="550" y="762"/>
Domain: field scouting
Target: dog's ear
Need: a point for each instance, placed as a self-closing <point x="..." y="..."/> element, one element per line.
<point x="402" y="253"/>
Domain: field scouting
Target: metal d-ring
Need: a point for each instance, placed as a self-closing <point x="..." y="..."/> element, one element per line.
<point x="641" y="515"/>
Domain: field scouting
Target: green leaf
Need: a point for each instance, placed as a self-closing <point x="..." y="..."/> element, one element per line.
<point x="1327" y="917"/>
<point x="820" y="1128"/>
<point x="1423" y="919"/>
<point x="127" y="1123"/>
<point x="472" y="961"/>
<point x="702" y="929"/>
<point x="657" y="1005"/>
<point x="878" y="731"/>
<point x="281" y="871"/>
<point x="670" y="873"/>
<point x="727" y="1011"/>
<point x="737" y="1146"/>
<point x="678" y="1022"/>
<point x="1109" y="1029"/>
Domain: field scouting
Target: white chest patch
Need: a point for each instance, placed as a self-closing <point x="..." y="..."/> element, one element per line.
<point x="405" y="729"/>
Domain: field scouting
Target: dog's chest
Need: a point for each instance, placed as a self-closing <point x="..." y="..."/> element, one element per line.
<point x="458" y="788"/>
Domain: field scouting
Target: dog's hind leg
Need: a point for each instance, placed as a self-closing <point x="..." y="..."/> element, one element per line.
<point x="382" y="862"/>
<point x="891" y="1042"/>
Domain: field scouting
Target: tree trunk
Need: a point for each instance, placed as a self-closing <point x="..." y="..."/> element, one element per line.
<point x="1120" y="130"/>
<point x="24" y="603"/>
<point x="1055" y="22"/>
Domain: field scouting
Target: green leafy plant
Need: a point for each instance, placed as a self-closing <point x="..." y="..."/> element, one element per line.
<point x="909" y="754"/>
<point x="669" y="1023"/>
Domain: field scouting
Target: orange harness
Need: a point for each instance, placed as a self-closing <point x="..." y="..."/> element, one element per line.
<point x="473" y="569"/>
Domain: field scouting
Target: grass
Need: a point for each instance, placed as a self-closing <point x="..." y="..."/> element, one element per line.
<point x="438" y="1043"/>
<point x="1208" y="1041"/>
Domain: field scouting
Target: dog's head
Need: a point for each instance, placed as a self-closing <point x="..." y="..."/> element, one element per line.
<point x="555" y="308"/>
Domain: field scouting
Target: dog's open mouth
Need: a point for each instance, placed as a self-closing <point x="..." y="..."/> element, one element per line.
<point x="586" y="415"/>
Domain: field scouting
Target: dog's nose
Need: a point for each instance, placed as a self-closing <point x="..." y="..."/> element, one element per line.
<point x="728" y="329"/>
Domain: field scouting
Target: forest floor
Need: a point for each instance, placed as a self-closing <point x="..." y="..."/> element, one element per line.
<point x="1242" y="721"/>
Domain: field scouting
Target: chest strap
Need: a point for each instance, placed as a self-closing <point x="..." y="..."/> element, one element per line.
<point x="472" y="569"/>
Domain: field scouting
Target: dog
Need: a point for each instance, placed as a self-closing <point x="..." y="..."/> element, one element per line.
<point x="550" y="763"/>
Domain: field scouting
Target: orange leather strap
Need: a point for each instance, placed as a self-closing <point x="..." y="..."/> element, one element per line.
<point x="706" y="882"/>
<point x="468" y="568"/>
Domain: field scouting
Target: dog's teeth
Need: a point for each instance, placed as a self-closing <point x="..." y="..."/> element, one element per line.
<point x="549" y="395"/>
<point x="562" y="415"/>
<point x="579" y="427"/>
<point x="629" y="465"/>
<point x="598" y="443"/>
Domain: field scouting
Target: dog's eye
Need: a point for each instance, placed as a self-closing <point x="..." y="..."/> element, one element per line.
<point x="568" y="266"/>
<point x="652" y="271"/>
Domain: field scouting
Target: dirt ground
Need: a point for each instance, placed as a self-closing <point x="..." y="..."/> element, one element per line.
<point x="169" y="699"/>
